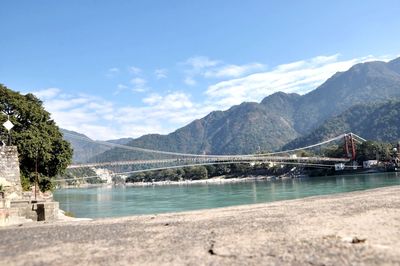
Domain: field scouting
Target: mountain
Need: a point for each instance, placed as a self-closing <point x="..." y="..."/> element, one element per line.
<point x="121" y="141"/>
<point x="244" y="128"/>
<point x="395" y="65"/>
<point x="280" y="117"/>
<point x="84" y="147"/>
<point x="371" y="121"/>
<point x="362" y="83"/>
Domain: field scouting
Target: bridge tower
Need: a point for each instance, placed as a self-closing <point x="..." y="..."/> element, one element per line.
<point x="349" y="146"/>
<point x="398" y="150"/>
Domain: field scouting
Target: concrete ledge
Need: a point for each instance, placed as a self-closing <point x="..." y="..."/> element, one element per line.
<point x="29" y="211"/>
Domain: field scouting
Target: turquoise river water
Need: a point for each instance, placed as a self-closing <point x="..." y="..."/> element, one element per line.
<point x="102" y="202"/>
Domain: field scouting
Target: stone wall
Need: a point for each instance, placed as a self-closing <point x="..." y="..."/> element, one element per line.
<point x="9" y="172"/>
<point x="36" y="211"/>
<point x="14" y="208"/>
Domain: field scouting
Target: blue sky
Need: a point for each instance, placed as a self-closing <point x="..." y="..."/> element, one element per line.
<point x="114" y="69"/>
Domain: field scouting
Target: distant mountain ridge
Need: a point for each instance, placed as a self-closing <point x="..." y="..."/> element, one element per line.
<point x="364" y="82"/>
<point x="280" y="118"/>
<point x="85" y="149"/>
<point x="379" y="121"/>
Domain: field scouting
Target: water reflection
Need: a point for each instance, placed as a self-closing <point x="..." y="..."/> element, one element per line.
<point x="122" y="201"/>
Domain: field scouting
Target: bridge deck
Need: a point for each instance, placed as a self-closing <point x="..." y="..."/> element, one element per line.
<point x="214" y="159"/>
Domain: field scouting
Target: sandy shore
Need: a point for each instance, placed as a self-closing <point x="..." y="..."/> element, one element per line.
<point x="316" y="230"/>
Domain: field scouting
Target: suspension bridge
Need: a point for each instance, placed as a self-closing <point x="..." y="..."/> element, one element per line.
<point x="179" y="160"/>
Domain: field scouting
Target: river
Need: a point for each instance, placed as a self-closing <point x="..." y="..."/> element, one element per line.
<point x="101" y="202"/>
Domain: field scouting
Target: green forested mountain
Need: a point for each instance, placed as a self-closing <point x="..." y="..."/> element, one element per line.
<point x="245" y="128"/>
<point x="363" y="83"/>
<point x="280" y="117"/>
<point x="87" y="150"/>
<point x="371" y="121"/>
<point x="84" y="147"/>
<point x="241" y="129"/>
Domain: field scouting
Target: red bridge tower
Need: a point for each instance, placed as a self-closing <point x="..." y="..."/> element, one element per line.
<point x="349" y="146"/>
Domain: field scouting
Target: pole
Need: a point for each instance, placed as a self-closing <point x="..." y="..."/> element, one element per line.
<point x="36" y="178"/>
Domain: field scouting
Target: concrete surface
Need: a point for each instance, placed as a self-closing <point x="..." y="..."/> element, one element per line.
<point x="358" y="228"/>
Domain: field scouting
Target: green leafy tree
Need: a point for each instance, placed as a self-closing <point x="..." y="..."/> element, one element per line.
<point x="39" y="140"/>
<point x="374" y="150"/>
<point x="196" y="172"/>
<point x="305" y="153"/>
<point x="335" y="151"/>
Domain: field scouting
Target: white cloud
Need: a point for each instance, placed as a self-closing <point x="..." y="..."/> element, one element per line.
<point x="140" y="89"/>
<point x="161" y="73"/>
<point x="204" y="67"/>
<point x="299" y="77"/>
<point x="175" y="100"/>
<point x="165" y="112"/>
<point x="233" y="70"/>
<point x="120" y="88"/>
<point x="152" y="99"/>
<point x="134" y="70"/>
<point x="102" y="119"/>
<point x="189" y="81"/>
<point x="47" y="93"/>
<point x="201" y="62"/>
<point x="139" y="85"/>
<point x="112" y="72"/>
<point x="196" y="65"/>
<point x="138" y="81"/>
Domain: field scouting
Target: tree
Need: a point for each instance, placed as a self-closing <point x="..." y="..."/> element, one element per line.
<point x="40" y="143"/>
<point x="305" y="153"/>
<point x="335" y="151"/>
<point x="374" y="150"/>
<point x="196" y="172"/>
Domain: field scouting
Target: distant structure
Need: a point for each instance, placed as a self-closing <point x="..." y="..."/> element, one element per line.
<point x="105" y="175"/>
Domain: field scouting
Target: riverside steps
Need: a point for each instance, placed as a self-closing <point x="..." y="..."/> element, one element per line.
<point x="16" y="206"/>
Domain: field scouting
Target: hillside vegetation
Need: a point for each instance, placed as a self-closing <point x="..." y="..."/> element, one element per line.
<point x="379" y="121"/>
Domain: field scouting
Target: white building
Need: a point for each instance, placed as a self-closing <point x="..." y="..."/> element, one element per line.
<point x="369" y="163"/>
<point x="104" y="174"/>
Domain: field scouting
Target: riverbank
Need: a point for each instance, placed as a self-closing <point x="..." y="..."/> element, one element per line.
<point x="342" y="229"/>
<point x="214" y="180"/>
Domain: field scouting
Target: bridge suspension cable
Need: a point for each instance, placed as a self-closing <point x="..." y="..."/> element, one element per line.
<point x="133" y="148"/>
<point x="358" y="138"/>
<point x="307" y="147"/>
<point x="314" y="165"/>
<point x="205" y="155"/>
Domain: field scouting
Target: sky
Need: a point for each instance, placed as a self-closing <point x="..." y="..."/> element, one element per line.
<point x="125" y="68"/>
